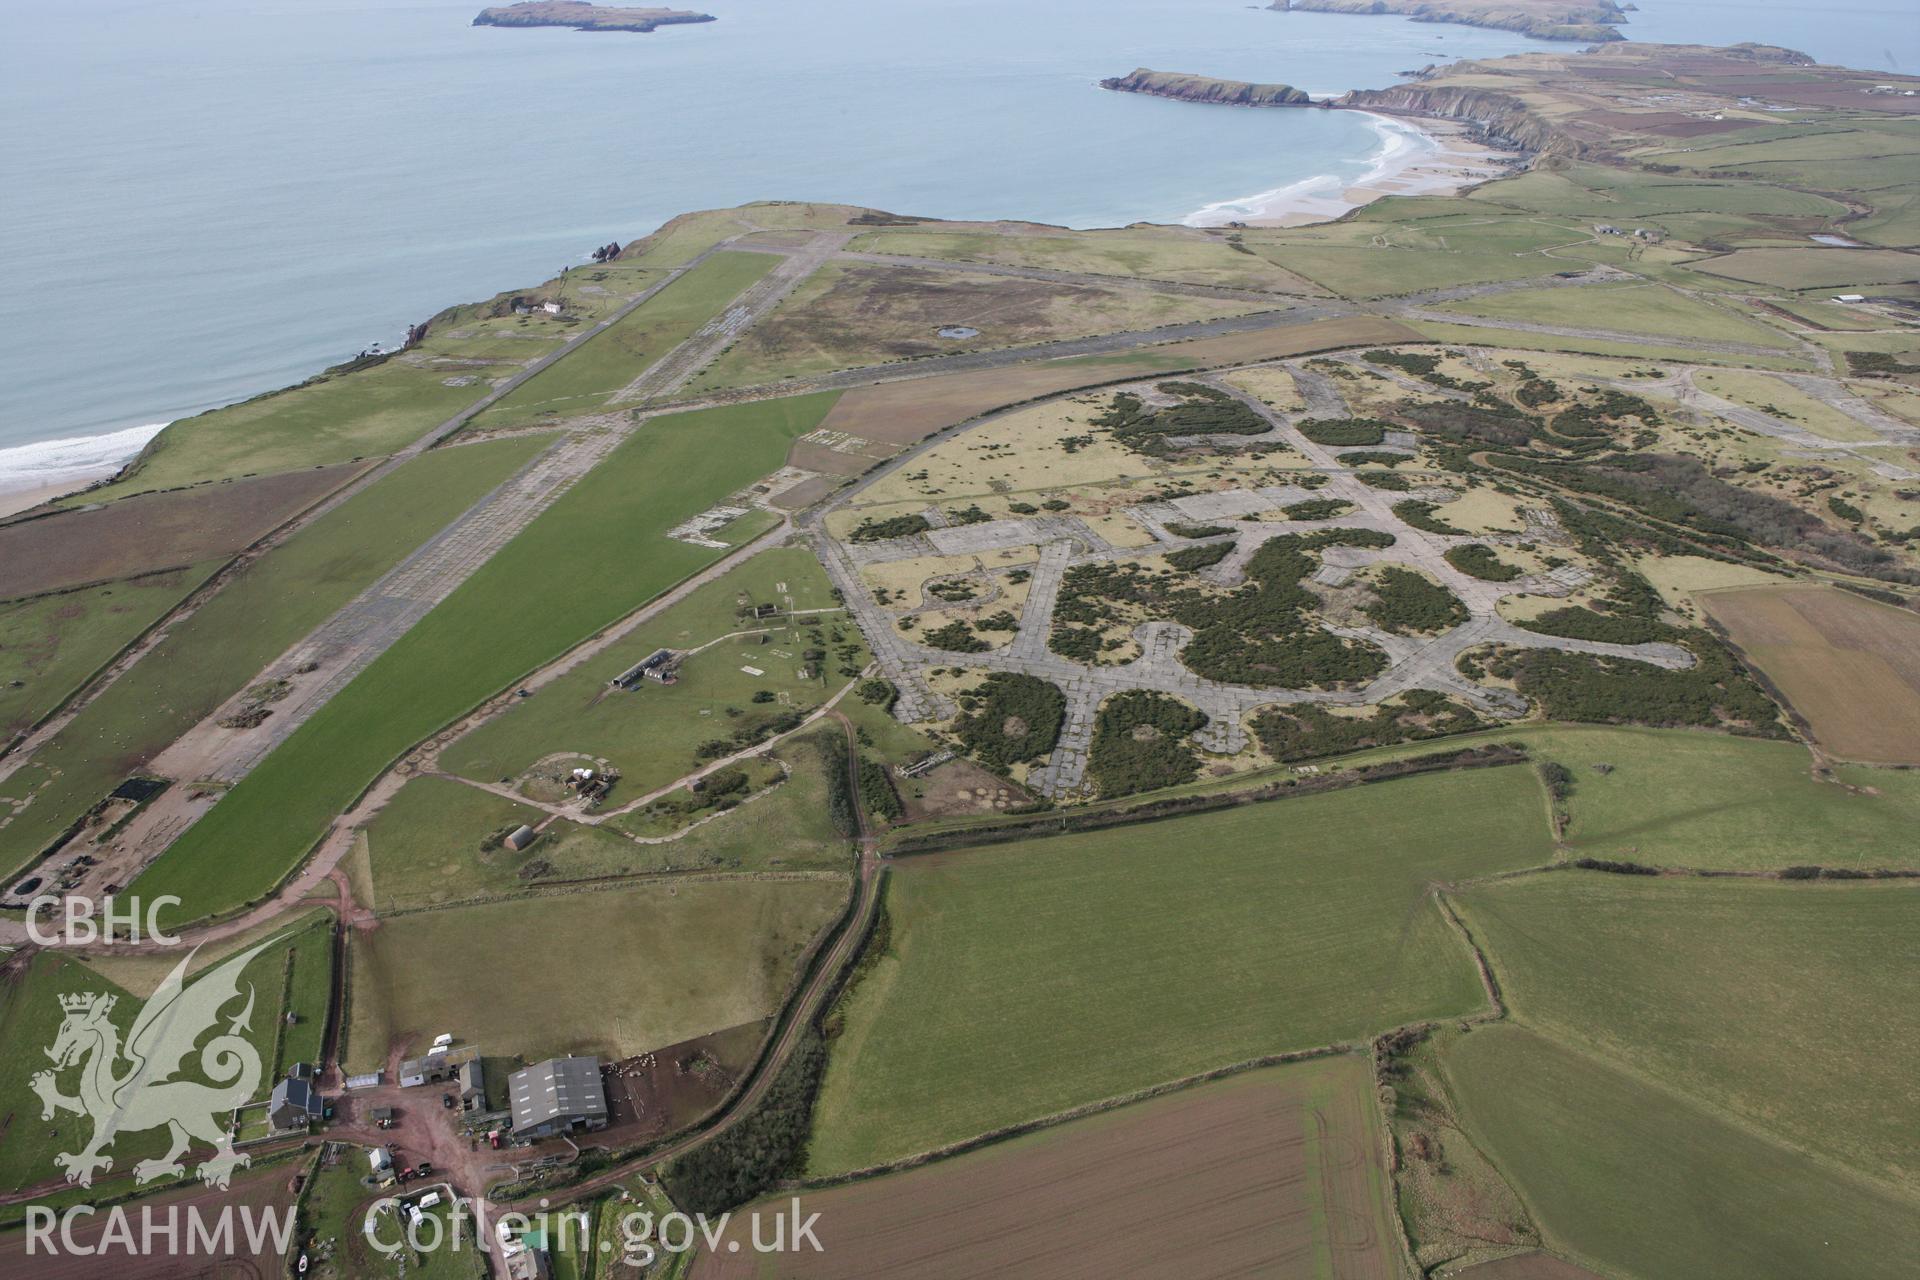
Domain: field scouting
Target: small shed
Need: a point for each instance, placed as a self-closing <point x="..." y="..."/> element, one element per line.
<point x="522" y="837"/>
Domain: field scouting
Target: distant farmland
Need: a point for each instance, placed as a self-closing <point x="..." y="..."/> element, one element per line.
<point x="1027" y="979"/>
<point x="1274" y="1172"/>
<point x="1849" y="665"/>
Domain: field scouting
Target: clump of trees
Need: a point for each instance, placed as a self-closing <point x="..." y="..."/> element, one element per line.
<point x="1478" y="561"/>
<point x="1192" y="559"/>
<point x="1318" y="509"/>
<point x="892" y="527"/>
<point x="1714" y="693"/>
<point x="877" y="795"/>
<point x="1385" y="480"/>
<point x="1011" y="718"/>
<point x="955" y="637"/>
<point x="1139" y="743"/>
<point x="1576" y="623"/>
<point x="1420" y="515"/>
<point x="1406" y="603"/>
<point x="1344" y="431"/>
<point x="1308" y="732"/>
<point x="1200" y="410"/>
<point x="761" y="1148"/>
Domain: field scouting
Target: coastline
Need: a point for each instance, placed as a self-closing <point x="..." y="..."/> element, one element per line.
<point x="42" y="471"/>
<point x="1415" y="158"/>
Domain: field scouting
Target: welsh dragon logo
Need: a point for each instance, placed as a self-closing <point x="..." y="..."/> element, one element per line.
<point x="143" y="1093"/>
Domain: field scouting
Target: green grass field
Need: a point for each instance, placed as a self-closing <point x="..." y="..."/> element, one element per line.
<point x="252" y="621"/>
<point x="52" y="645"/>
<point x="1756" y="997"/>
<point x="606" y="362"/>
<point x="30" y="1017"/>
<point x="1378" y="256"/>
<point x="1634" y="308"/>
<point x="1026" y="979"/>
<point x="614" y="973"/>
<point x="1517" y="340"/>
<point x="1159" y="253"/>
<point x="357" y="415"/>
<point x="651" y="732"/>
<point x="1677" y="798"/>
<point x="465" y="649"/>
<point x="1642" y="1183"/>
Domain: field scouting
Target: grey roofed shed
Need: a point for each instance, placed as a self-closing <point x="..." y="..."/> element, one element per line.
<point x="558" y="1094"/>
<point x="522" y="837"/>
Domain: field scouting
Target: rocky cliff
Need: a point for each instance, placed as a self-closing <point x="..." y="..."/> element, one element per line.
<point x="1237" y="93"/>
<point x="1501" y="117"/>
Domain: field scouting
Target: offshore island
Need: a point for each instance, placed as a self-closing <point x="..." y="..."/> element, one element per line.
<point x="584" y="17"/>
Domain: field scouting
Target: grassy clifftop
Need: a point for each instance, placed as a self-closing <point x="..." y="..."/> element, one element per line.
<point x="1591" y="22"/>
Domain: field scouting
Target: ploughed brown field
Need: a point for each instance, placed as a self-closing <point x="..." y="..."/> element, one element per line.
<point x="1275" y="1172"/>
<point x="910" y="410"/>
<point x="1850" y="665"/>
<point x="156" y="531"/>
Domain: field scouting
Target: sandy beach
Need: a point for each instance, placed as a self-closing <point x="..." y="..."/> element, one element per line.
<point x="1416" y="158"/>
<point x="14" y="501"/>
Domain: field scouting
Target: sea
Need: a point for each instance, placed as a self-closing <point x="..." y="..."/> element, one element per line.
<point x="206" y="199"/>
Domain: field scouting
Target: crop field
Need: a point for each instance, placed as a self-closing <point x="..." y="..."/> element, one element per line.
<point x="1680" y="798"/>
<point x="1026" y="979"/>
<point x="1155" y="253"/>
<point x="614" y="973"/>
<point x="1273" y="1172"/>
<point x="854" y="314"/>
<point x="51" y="645"/>
<point x="30" y="1016"/>
<point x="1813" y="268"/>
<point x="163" y="531"/>
<point x="652" y="732"/>
<point x="670" y="470"/>
<point x="1635" y="1180"/>
<point x="252" y="620"/>
<point x="1753" y="996"/>
<point x="1635" y="308"/>
<point x="603" y="364"/>
<point x="1851" y="666"/>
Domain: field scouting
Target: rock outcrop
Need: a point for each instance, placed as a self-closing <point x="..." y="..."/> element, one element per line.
<point x="1588" y="21"/>
<point x="1237" y="93"/>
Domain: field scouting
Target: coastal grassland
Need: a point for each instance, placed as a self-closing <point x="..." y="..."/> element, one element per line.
<point x="851" y="314"/>
<point x="30" y="1016"/>
<point x="653" y="733"/>
<point x="536" y="597"/>
<point x="1814" y="268"/>
<point x="1022" y="980"/>
<point x="1271" y="1172"/>
<point x="1784" y="400"/>
<point x="614" y="972"/>
<point x="1851" y="666"/>
<point x="1681" y="798"/>
<point x="584" y="378"/>
<point x="1649" y="309"/>
<point x="1379" y="255"/>
<point x="1520" y="340"/>
<point x="334" y="417"/>
<point x="1178" y="254"/>
<point x="1753" y="996"/>
<point x="51" y="645"/>
<point x="250" y="622"/>
<point x="1620" y="195"/>
<point x="1637" y="1181"/>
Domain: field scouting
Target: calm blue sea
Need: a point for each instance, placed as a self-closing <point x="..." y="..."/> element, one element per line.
<point x="204" y="199"/>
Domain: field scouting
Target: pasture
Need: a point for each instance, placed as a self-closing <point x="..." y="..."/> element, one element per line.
<point x="670" y="470"/>
<point x="1023" y="980"/>
<point x="1272" y="1172"/>
<point x="51" y="645"/>
<point x="250" y="622"/>
<point x="1144" y="252"/>
<point x="585" y="377"/>
<point x="1813" y="268"/>
<point x="1850" y="665"/>
<point x="1753" y="996"/>
<point x="614" y="972"/>
<point x="653" y="733"/>
<point x="1650" y="309"/>
<point x="1633" y="1180"/>
<point x="1681" y="798"/>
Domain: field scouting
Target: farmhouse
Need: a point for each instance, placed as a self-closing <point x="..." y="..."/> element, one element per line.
<point x="293" y="1104"/>
<point x="560" y="1095"/>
